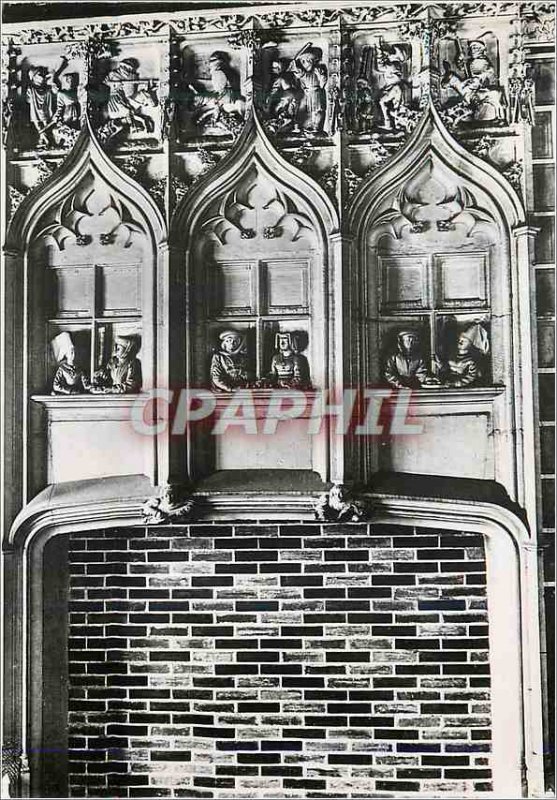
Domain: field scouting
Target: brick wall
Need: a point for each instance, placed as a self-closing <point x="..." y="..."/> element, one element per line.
<point x="290" y="660"/>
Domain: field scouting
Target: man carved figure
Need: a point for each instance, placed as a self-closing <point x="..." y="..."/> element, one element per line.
<point x="69" y="378"/>
<point x="289" y="369"/>
<point x="125" y="100"/>
<point x="390" y="62"/>
<point x="406" y="367"/>
<point x="229" y="366"/>
<point x="312" y="75"/>
<point x="122" y="372"/>
<point x="225" y="103"/>
<point x="41" y="97"/>
<point x="465" y="369"/>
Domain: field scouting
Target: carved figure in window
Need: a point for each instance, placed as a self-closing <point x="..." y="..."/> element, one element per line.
<point x="229" y="365"/>
<point x="312" y="75"/>
<point x="289" y="368"/>
<point x="465" y="368"/>
<point x="476" y="82"/>
<point x="390" y="68"/>
<point x="122" y="372"/>
<point x="284" y="97"/>
<point x="224" y="109"/>
<point x="69" y="378"/>
<point x="406" y="367"/>
<point x="127" y="96"/>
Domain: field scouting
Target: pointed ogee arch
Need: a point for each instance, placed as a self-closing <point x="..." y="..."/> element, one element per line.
<point x="87" y="155"/>
<point x="254" y="148"/>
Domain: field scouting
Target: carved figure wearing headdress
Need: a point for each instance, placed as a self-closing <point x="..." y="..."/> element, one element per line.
<point x="122" y="372"/>
<point x="478" y="85"/>
<point x="41" y="97"/>
<point x="466" y="368"/>
<point x="69" y="378"/>
<point x="229" y="366"/>
<point x="289" y="369"/>
<point x="312" y="75"/>
<point x="406" y="367"/>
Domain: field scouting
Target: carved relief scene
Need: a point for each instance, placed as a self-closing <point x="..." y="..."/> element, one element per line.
<point x="295" y="99"/>
<point x="471" y="93"/>
<point x="44" y="98"/>
<point x="124" y="94"/>
<point x="207" y="98"/>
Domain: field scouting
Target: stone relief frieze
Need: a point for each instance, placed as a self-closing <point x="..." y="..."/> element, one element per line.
<point x="471" y="93"/>
<point x="207" y="99"/>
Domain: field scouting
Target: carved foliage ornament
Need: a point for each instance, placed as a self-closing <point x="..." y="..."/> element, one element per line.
<point x="254" y="207"/>
<point x="91" y="212"/>
<point x="430" y="200"/>
<point x="169" y="505"/>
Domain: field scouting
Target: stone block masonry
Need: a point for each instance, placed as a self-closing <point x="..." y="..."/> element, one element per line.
<point x="278" y="660"/>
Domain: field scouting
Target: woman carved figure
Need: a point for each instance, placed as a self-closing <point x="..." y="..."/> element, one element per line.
<point x="465" y="369"/>
<point x="406" y="367"/>
<point x="229" y="366"/>
<point x="122" y="372"/>
<point x="69" y="378"/>
<point x="289" y="369"/>
<point x="312" y="75"/>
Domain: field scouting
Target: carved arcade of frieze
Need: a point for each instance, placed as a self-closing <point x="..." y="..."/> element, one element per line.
<point x="254" y="143"/>
<point x="278" y="211"/>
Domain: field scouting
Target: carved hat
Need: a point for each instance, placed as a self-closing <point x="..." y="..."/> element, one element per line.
<point x="129" y="344"/>
<point x="478" y="337"/>
<point x="239" y="334"/>
<point x="62" y="346"/>
<point x="315" y="52"/>
<point x="292" y="340"/>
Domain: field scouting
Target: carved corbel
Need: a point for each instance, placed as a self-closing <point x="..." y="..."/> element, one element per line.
<point x="340" y="504"/>
<point x="170" y="504"/>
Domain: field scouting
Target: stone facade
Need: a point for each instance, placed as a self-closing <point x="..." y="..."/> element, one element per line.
<point x="289" y="213"/>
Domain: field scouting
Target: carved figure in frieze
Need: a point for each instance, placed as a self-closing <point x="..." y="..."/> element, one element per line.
<point x="312" y="76"/>
<point x="229" y="365"/>
<point x="69" y="378"/>
<point x="167" y="507"/>
<point x="127" y="98"/>
<point x="337" y="505"/>
<point x="465" y="368"/>
<point x="475" y="81"/>
<point x="122" y="372"/>
<point x="224" y="109"/>
<point x="390" y="68"/>
<point x="41" y="99"/>
<point x="284" y="98"/>
<point x="406" y="366"/>
<point x="289" y="368"/>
